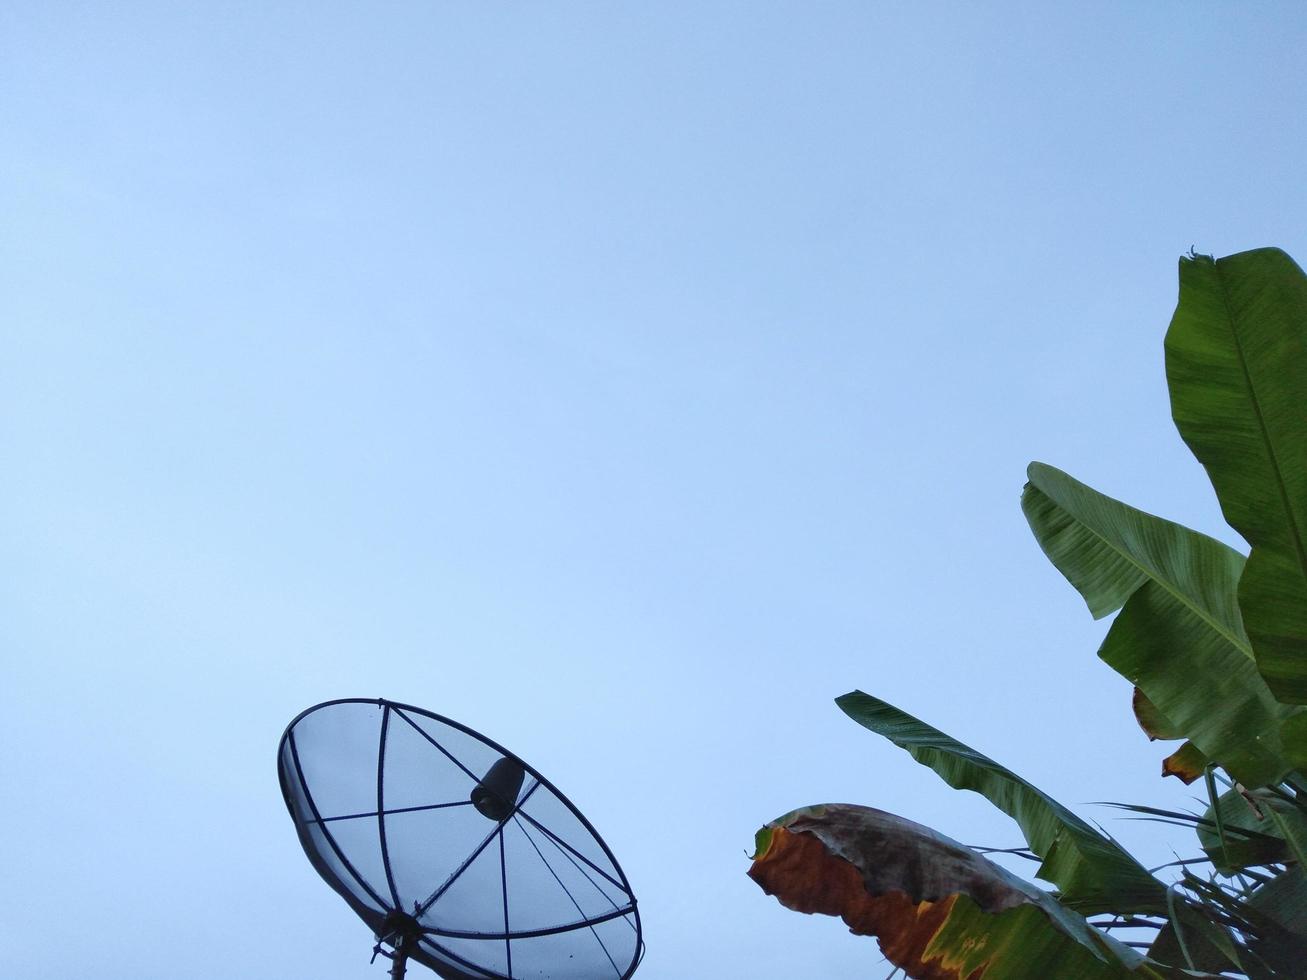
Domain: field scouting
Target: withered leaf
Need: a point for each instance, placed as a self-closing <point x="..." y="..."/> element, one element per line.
<point x="938" y="909"/>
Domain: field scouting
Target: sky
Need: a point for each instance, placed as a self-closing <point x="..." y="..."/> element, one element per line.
<point x="626" y="381"/>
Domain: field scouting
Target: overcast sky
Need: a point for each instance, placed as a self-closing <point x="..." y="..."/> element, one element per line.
<point x="624" y="380"/>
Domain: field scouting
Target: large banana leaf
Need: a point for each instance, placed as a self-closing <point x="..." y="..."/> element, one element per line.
<point x="1150" y="718"/>
<point x="1192" y="937"/>
<point x="1294" y="734"/>
<point x="939" y="909"/>
<point x="1179" y="638"/>
<point x="1236" y="363"/>
<point x="1253" y="828"/>
<point x="1108" y="549"/>
<point x="1092" y="872"/>
<point x="1280" y="907"/>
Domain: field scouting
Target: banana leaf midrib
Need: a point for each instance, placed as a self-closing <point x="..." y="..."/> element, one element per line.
<point x="1295" y="533"/>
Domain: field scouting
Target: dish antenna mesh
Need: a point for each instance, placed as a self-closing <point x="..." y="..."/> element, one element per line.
<point x="455" y="852"/>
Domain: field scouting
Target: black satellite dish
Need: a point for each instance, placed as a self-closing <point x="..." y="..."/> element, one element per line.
<point x="455" y="852"/>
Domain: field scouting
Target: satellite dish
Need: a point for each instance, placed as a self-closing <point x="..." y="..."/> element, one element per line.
<point x="455" y="852"/>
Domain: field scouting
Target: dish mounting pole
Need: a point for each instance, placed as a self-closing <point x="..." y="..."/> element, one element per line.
<point x="399" y="959"/>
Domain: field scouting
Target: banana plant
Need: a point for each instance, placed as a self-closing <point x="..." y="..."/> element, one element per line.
<point x="1214" y="643"/>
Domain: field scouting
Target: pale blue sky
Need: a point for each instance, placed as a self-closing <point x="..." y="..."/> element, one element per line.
<point x="624" y="380"/>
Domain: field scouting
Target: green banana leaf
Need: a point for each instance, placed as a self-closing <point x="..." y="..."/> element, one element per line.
<point x="1091" y="871"/>
<point x="1150" y="718"/>
<point x="938" y="908"/>
<point x="1192" y="938"/>
<point x="1179" y="638"/>
<point x="1236" y="364"/>
<point x="1294" y="735"/>
<point x="1251" y="830"/>
<point x="1281" y="908"/>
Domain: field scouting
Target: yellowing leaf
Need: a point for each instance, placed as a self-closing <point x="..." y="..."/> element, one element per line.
<point x="1186" y="763"/>
<point x="939" y="910"/>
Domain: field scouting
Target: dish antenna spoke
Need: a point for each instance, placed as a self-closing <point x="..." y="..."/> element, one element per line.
<point x="436" y="895"/>
<point x="565" y="848"/>
<point x="617" y="909"/>
<point x="327" y="835"/>
<point x="503" y="885"/>
<point x="393" y="809"/>
<point x="427" y="735"/>
<point x="381" y="805"/>
<point x="575" y="903"/>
